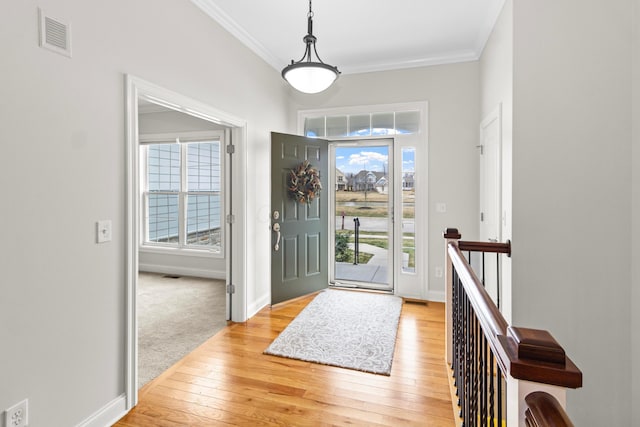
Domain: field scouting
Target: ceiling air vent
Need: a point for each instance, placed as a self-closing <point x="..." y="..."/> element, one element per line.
<point x="54" y="35"/>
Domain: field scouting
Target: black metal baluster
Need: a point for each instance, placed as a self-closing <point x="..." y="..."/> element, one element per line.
<point x="483" y="381"/>
<point x="455" y="315"/>
<point x="492" y="390"/>
<point x="500" y="379"/>
<point x="474" y="369"/>
<point x="498" y="278"/>
<point x="467" y="370"/>
<point x="463" y="365"/>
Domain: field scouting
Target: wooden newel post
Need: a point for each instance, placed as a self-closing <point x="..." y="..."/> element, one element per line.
<point x="450" y="235"/>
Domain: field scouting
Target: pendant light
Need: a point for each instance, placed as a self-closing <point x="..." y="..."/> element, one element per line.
<point x="306" y="75"/>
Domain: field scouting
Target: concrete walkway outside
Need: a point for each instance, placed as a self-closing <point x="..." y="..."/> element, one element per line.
<point x="375" y="271"/>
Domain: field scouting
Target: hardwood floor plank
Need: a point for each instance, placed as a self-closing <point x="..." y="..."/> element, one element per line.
<point x="229" y="381"/>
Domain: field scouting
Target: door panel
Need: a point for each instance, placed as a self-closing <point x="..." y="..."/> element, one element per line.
<point x="299" y="265"/>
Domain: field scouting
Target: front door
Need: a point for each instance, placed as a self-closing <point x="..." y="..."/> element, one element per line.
<point x="299" y="216"/>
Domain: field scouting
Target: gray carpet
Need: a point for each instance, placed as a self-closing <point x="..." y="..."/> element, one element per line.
<point x="174" y="317"/>
<point x="352" y="330"/>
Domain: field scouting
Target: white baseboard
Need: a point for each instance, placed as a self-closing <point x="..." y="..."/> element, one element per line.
<point x="182" y="271"/>
<point x="436" y="296"/>
<point x="108" y="414"/>
<point x="258" y="305"/>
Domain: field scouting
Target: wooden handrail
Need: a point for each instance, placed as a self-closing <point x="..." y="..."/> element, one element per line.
<point x="526" y="354"/>
<point x="543" y="410"/>
<point x="488" y="314"/>
<point x="491" y="247"/>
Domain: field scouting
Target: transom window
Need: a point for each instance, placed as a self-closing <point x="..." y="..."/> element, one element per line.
<point x="362" y="125"/>
<point x="182" y="198"/>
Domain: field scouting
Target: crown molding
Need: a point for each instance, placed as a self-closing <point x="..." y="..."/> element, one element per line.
<point x="455" y="57"/>
<point x="226" y="22"/>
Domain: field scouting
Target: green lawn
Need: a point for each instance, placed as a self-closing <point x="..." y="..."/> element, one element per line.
<point x="408" y="246"/>
<point x="380" y="208"/>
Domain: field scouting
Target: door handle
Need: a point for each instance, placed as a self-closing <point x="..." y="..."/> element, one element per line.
<point x="276" y="228"/>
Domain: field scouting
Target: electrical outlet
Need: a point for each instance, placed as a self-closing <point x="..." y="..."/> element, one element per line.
<point x="17" y="415"/>
<point x="438" y="272"/>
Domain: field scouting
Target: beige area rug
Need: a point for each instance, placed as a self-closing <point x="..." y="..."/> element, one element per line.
<point x="175" y="315"/>
<point x="354" y="330"/>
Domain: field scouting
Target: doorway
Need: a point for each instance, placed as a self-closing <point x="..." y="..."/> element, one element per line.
<point x="180" y="299"/>
<point x="232" y="219"/>
<point x="404" y="129"/>
<point x="362" y="194"/>
<point x="490" y="199"/>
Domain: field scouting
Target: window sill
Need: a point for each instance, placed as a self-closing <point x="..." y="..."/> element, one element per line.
<point x="189" y="252"/>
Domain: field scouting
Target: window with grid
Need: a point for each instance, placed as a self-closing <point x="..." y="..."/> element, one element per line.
<point x="363" y="125"/>
<point x="183" y="194"/>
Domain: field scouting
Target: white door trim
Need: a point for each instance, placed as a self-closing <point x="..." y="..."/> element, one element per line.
<point x="418" y="284"/>
<point x="135" y="88"/>
<point x="493" y="116"/>
<point x="491" y="186"/>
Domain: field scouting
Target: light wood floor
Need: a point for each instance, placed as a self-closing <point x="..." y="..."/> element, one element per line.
<point x="228" y="381"/>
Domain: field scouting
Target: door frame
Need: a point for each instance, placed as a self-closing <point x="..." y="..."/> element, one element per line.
<point x="380" y="141"/>
<point x="493" y="118"/>
<point x="420" y="284"/>
<point x="136" y="87"/>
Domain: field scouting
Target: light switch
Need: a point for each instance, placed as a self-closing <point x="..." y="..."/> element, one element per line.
<point x="103" y="231"/>
<point x="441" y="207"/>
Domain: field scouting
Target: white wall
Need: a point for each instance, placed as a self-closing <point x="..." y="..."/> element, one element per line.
<point x="171" y="261"/>
<point x="453" y="94"/>
<point x="62" y="129"/>
<point x="571" y="192"/>
<point x="496" y="83"/>
<point x="162" y="120"/>
<point x="635" y="225"/>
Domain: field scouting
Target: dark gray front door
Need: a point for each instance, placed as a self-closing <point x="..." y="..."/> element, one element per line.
<point x="299" y="252"/>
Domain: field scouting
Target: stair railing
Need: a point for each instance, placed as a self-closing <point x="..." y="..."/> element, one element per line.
<point x="498" y="369"/>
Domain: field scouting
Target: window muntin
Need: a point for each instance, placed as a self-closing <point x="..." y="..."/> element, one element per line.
<point x="183" y="201"/>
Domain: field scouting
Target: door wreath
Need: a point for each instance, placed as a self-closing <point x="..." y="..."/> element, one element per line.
<point x="304" y="183"/>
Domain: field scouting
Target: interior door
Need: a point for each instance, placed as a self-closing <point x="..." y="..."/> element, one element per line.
<point x="490" y="206"/>
<point x="299" y="251"/>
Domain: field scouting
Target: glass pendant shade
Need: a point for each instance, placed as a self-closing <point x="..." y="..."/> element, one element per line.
<point x="307" y="75"/>
<point x="310" y="77"/>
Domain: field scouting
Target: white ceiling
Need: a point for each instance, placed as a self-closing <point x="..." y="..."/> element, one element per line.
<point x="361" y="35"/>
